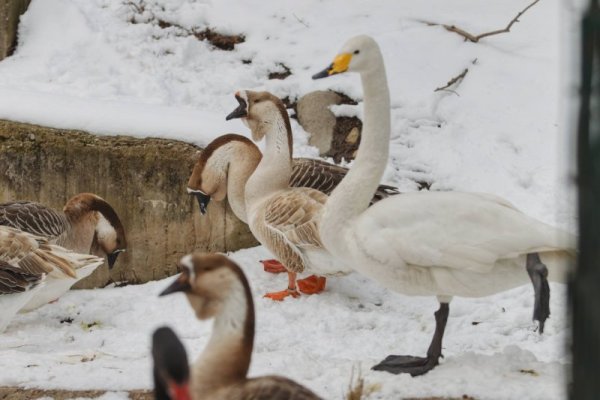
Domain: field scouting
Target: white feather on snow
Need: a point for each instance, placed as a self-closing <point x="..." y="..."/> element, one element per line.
<point x="81" y="64"/>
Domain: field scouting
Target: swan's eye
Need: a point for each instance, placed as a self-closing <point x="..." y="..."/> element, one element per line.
<point x="356" y="51"/>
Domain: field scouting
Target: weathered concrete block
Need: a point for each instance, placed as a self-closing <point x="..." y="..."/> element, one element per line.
<point x="10" y="11"/>
<point x="143" y="179"/>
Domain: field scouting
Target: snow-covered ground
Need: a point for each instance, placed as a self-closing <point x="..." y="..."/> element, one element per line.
<point x="83" y="64"/>
<point x="491" y="349"/>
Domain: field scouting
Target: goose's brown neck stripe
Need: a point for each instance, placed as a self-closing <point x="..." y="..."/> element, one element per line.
<point x="195" y="181"/>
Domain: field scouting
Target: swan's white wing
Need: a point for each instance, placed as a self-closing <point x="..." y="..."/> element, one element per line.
<point x="467" y="231"/>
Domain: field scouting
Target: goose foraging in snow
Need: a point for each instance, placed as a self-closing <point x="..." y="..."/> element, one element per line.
<point x="440" y="244"/>
<point x="27" y="265"/>
<point x="284" y="219"/>
<point x="87" y="224"/>
<point x="171" y="369"/>
<point x="216" y="288"/>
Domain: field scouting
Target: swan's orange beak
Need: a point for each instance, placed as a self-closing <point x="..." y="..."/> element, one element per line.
<point x="340" y="64"/>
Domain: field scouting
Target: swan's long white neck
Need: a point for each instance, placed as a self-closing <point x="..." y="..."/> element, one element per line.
<point x="353" y="195"/>
<point x="275" y="169"/>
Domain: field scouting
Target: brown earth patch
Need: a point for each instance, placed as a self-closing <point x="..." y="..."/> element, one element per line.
<point x="219" y="40"/>
<point x="280" y="74"/>
<point x="17" y="393"/>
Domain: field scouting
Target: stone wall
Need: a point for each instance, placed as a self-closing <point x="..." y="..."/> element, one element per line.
<point x="143" y="179"/>
<point x="10" y="11"/>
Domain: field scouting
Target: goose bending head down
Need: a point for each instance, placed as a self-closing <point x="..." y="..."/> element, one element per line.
<point x="87" y="224"/>
<point x="284" y="219"/>
<point x="217" y="288"/>
<point x="442" y="244"/>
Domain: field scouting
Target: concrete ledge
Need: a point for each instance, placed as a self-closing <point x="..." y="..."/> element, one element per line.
<point x="143" y="179"/>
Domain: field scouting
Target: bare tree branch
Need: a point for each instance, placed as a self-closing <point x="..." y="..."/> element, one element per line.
<point x="453" y="81"/>
<point x="476" y="38"/>
<point x="300" y="20"/>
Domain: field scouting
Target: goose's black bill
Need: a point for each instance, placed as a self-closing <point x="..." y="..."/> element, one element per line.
<point x="241" y="111"/>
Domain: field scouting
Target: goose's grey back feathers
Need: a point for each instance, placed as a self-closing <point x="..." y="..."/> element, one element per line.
<point x="324" y="177"/>
<point x="35" y="256"/>
<point x="34" y="218"/>
<point x="16" y="280"/>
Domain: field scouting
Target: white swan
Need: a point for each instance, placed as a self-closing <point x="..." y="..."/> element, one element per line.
<point x="443" y="244"/>
<point x="284" y="219"/>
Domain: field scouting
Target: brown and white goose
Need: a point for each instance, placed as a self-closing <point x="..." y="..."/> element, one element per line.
<point x="228" y="161"/>
<point x="87" y="224"/>
<point x="284" y="219"/>
<point x="217" y="288"/>
<point x="26" y="263"/>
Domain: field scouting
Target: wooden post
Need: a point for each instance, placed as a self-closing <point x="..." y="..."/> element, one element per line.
<point x="10" y="11"/>
<point x="585" y="283"/>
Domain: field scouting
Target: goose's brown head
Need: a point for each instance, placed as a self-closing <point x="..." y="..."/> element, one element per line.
<point x="109" y="234"/>
<point x="356" y="55"/>
<point x="259" y="111"/>
<point x="209" y="176"/>
<point x="209" y="280"/>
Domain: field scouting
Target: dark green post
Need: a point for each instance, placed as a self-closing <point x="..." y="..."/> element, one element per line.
<point x="585" y="283"/>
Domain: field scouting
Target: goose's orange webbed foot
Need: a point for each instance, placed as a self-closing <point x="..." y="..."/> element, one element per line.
<point x="312" y="285"/>
<point x="280" y="296"/>
<point x="273" y="266"/>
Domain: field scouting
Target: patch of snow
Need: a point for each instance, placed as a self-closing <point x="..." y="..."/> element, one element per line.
<point x="491" y="347"/>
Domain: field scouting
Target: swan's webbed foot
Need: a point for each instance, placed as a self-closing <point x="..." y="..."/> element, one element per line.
<point x="407" y="364"/>
<point x="420" y="365"/>
<point x="538" y="273"/>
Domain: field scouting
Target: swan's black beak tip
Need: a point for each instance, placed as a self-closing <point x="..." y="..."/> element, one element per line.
<point x="323" y="74"/>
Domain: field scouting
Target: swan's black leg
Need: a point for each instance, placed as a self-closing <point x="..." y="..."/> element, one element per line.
<point x="420" y="365"/>
<point x="539" y="277"/>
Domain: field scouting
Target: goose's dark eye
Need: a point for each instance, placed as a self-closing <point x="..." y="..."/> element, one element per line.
<point x="356" y="51"/>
